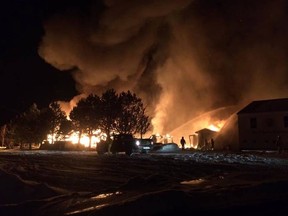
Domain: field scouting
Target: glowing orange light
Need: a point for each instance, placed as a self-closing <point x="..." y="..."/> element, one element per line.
<point x="84" y="139"/>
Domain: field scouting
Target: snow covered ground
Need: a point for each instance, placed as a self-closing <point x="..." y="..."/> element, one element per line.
<point x="40" y="182"/>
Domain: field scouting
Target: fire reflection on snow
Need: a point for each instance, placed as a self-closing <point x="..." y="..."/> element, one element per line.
<point x="193" y="182"/>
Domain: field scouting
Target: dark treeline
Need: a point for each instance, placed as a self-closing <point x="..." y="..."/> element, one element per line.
<point x="111" y="113"/>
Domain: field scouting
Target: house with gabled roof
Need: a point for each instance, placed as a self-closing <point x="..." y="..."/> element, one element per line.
<point x="261" y="122"/>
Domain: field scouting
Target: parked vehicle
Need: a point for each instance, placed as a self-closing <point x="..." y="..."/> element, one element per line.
<point x="144" y="145"/>
<point x="123" y="143"/>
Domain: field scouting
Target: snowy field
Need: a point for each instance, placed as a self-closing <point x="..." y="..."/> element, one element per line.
<point x="74" y="183"/>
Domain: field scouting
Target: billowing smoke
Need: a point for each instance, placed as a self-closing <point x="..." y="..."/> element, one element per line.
<point x="183" y="58"/>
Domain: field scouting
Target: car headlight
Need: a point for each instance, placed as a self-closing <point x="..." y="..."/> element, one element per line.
<point x="137" y="142"/>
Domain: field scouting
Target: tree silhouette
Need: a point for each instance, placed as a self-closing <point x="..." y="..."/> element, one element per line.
<point x="86" y="116"/>
<point x="28" y="128"/>
<point x="143" y="120"/>
<point x="132" y="117"/>
<point x="110" y="110"/>
<point x="111" y="113"/>
<point x="65" y="128"/>
<point x="52" y="117"/>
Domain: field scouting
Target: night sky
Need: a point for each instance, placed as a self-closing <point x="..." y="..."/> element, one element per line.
<point x="25" y="77"/>
<point x="183" y="58"/>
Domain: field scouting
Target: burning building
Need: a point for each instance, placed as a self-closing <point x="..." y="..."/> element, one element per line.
<point x="184" y="58"/>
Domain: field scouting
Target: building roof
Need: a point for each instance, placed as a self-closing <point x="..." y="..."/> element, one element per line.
<point x="205" y="130"/>
<point x="263" y="106"/>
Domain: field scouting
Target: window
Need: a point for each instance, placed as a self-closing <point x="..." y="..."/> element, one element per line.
<point x="253" y="123"/>
<point x="285" y="121"/>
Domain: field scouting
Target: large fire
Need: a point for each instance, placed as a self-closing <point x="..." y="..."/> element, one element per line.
<point x="98" y="136"/>
<point x="174" y="136"/>
<point x="206" y="120"/>
<point x="84" y="139"/>
<point x="216" y="126"/>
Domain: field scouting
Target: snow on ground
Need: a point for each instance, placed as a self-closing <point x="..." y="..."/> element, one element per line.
<point x="40" y="182"/>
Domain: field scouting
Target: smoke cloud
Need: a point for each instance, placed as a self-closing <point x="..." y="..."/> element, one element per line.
<point x="183" y="58"/>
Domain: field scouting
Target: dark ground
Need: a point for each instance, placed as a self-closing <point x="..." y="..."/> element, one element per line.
<point x="84" y="183"/>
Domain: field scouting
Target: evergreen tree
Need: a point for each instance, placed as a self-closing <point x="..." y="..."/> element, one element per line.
<point x="110" y="110"/>
<point x="86" y="116"/>
<point x="132" y="117"/>
<point x="52" y="117"/>
<point x="27" y="127"/>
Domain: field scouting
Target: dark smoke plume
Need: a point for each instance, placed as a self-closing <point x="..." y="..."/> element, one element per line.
<point x="184" y="57"/>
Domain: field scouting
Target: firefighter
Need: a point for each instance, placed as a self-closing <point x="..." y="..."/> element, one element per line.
<point x="212" y="144"/>
<point x="183" y="142"/>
